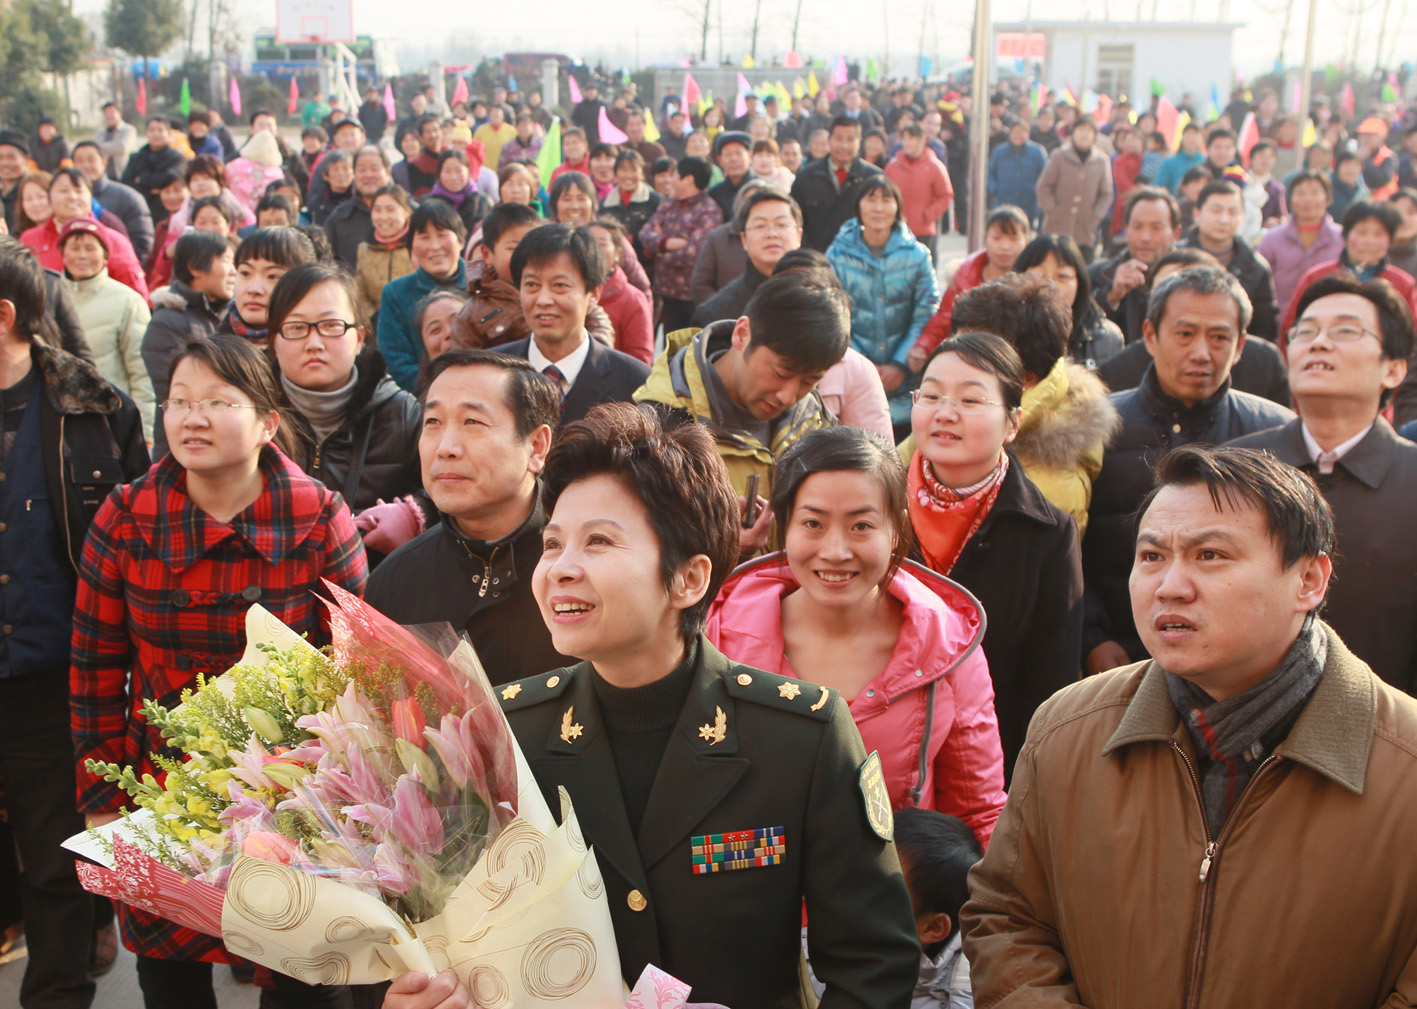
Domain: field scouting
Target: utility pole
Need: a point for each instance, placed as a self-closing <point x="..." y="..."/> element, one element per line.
<point x="979" y="123"/>
<point x="757" y="16"/>
<point x="1306" y="81"/>
<point x="796" y="24"/>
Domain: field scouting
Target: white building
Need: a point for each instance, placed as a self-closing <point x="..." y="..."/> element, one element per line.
<point x="1121" y="57"/>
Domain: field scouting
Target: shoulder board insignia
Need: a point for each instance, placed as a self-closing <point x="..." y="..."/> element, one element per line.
<point x="877" y="798"/>
<point x="533" y="689"/>
<point x="782" y="692"/>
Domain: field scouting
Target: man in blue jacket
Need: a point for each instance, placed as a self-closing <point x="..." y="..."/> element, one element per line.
<point x="1014" y="168"/>
<point x="1174" y="168"/>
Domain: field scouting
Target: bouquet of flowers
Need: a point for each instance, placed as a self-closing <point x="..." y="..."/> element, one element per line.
<point x="345" y="817"/>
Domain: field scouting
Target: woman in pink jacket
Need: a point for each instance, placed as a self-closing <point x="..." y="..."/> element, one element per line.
<point x="840" y="606"/>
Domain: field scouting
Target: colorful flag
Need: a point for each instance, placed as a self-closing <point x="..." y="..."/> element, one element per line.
<point x="1089" y="101"/>
<point x="1069" y="95"/>
<point x="1181" y="124"/>
<point x="1214" y="111"/>
<point x="235" y="96"/>
<point x="512" y="83"/>
<point x="812" y="86"/>
<point x="749" y="62"/>
<point x="1248" y="136"/>
<point x="799" y="90"/>
<point x="1311" y="134"/>
<point x="743" y="86"/>
<point x="1104" y="108"/>
<point x="1157" y="88"/>
<point x="575" y="89"/>
<point x="839" y="74"/>
<point x="389" y="105"/>
<point x="870" y="69"/>
<point x="294" y="102"/>
<point x="740" y="107"/>
<point x="691" y="92"/>
<point x="1331" y="74"/>
<point x="550" y="155"/>
<point x="460" y="92"/>
<point x="1389" y="94"/>
<point x="609" y="132"/>
<point x="793" y="59"/>
<point x="1167" y="116"/>
<point x="1346" y="101"/>
<point x="142" y="105"/>
<point x="651" y="128"/>
<point x="1298" y="96"/>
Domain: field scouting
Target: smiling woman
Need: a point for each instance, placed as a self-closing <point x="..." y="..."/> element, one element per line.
<point x="436" y="235"/>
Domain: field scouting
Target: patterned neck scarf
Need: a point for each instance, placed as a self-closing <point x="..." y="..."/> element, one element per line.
<point x="945" y="518"/>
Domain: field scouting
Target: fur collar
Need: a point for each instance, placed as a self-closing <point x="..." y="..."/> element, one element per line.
<point x="1069" y="418"/>
<point x="73" y="386"/>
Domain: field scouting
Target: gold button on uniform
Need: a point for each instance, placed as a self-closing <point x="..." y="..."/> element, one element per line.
<point x="744" y="679"/>
<point x="551" y="683"/>
<point x="636" y="900"/>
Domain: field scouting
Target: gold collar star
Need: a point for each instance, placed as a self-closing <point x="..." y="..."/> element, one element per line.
<point x="512" y="691"/>
<point x="570" y="731"/>
<point x="789" y="690"/>
<point x="716" y="732"/>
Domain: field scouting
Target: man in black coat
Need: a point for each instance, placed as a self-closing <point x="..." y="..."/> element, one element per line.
<point x="124" y="201"/>
<point x="373" y="116"/>
<point x="152" y="163"/>
<point x="1220" y="210"/>
<point x="733" y="151"/>
<point x="1347" y="353"/>
<point x="488" y="420"/>
<point x="1195" y="330"/>
<point x="586" y="114"/>
<point x="559" y="271"/>
<point x="1121" y="285"/>
<point x="827" y="190"/>
<point x="67" y="440"/>
<point x="351" y="223"/>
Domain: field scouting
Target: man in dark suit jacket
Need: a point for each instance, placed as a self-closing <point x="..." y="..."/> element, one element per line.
<point x="827" y="190"/>
<point x="559" y="271"/>
<point x="1347" y="353"/>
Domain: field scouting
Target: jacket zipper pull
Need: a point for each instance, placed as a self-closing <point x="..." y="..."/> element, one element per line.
<point x="1205" y="862"/>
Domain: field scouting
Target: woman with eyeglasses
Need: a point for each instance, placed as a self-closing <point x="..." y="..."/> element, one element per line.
<point x="172" y="563"/>
<point x="980" y="520"/>
<point x="357" y="430"/>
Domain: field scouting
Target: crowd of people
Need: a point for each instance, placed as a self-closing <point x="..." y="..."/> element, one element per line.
<point x="1063" y="616"/>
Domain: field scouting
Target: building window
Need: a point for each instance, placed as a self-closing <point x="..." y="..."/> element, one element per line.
<point x="1114" y="70"/>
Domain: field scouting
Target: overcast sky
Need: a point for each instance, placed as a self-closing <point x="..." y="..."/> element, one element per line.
<point x="458" y="31"/>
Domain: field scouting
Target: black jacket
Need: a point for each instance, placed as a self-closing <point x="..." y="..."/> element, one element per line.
<point x="348" y="225"/>
<point x="607" y="376"/>
<point x="1130" y="312"/>
<point x="1255" y="277"/>
<point x="825" y="205"/>
<point x="1152" y="424"/>
<point x="726" y="192"/>
<point x="1023" y="566"/>
<point x="472" y="210"/>
<point x="1260" y="370"/>
<point x="375" y="120"/>
<point x="729" y="301"/>
<point x="128" y="205"/>
<point x="61" y="326"/>
<point x="92" y="438"/>
<point x="751" y="750"/>
<point x="145" y="170"/>
<point x="1372" y="598"/>
<point x="481" y="588"/>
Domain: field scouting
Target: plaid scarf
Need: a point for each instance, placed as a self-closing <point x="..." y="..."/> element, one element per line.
<point x="1232" y="737"/>
<point x="238" y="326"/>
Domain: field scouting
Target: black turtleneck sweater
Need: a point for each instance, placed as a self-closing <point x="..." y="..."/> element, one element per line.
<point x="638" y="724"/>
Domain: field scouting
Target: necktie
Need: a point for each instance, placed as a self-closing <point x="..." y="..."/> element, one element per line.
<point x="554" y="373"/>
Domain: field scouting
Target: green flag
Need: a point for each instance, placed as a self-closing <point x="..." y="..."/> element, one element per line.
<point x="550" y="155"/>
<point x="1157" y="88"/>
<point x="185" y="102"/>
<point x="1389" y="93"/>
<point x="1331" y="74"/>
<point x="870" y="69"/>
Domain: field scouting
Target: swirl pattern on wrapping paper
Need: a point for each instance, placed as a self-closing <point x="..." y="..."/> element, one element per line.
<point x="574" y="834"/>
<point x="558" y="963"/>
<point x="588" y="876"/>
<point x="346" y="928"/>
<point x="436" y="944"/>
<point x="489" y="987"/>
<point x="518" y="839"/>
<point x="477" y="936"/>
<point x="242" y="945"/>
<point x="324" y="968"/>
<point x="286" y="901"/>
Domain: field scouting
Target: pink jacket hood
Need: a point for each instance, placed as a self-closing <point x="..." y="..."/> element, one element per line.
<point x="929" y="713"/>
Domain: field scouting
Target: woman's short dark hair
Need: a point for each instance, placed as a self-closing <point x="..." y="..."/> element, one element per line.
<point x="853" y="449"/>
<point x="395" y="192"/>
<point x="208" y="165"/>
<point x="531" y="396"/>
<point x="298" y="282"/>
<point x="239" y="363"/>
<point x="672" y="465"/>
<point x="604" y="150"/>
<point x="611" y="224"/>
<point x="1307" y="175"/>
<point x="661" y="165"/>
<point x="439" y="215"/>
<point x="880" y="182"/>
<point x="550" y="240"/>
<point x="22" y="284"/>
<point x="287" y="247"/>
<point x="1394" y="317"/>
<point x="569" y="180"/>
<point x="697" y="169"/>
<point x="990" y="353"/>
<point x="420" y="308"/>
<point x="509" y="172"/>
<point x="1010" y="220"/>
<point x="940" y="850"/>
<point x="196" y="250"/>
<point x="318" y="132"/>
<point x="214" y="202"/>
<point x="802" y="316"/>
<point x="319" y="241"/>
<point x="75" y="177"/>
<point x="1027" y="312"/>
<point x="1299" y="519"/>
<point x="505" y="216"/>
<point x="276" y="201"/>
<point x="332" y="158"/>
<point x="1372" y="210"/>
<point x="629" y="157"/>
<point x="453" y="154"/>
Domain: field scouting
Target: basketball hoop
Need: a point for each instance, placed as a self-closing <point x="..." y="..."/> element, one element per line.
<point x="314" y="22"/>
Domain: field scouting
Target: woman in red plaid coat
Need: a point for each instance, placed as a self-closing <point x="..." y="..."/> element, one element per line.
<point x="172" y="563"/>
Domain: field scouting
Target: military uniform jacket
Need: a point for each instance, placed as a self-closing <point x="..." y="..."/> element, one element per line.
<point x="752" y="752"/>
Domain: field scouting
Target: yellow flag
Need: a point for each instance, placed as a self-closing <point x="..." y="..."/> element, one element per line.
<point x="1132" y="116"/>
<point x="651" y="130"/>
<point x="1311" y="136"/>
<point x="1181" y="121"/>
<point x="749" y="62"/>
<point x="812" y="86"/>
<point x="798" y="90"/>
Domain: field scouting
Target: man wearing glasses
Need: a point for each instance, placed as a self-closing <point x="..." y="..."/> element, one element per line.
<point x="1347" y="354"/>
<point x="771" y="225"/>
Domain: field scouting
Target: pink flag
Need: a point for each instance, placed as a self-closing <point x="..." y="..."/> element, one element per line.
<point x="1249" y="136"/>
<point x="609" y="132"/>
<point x="235" y="97"/>
<point x="1167" y="116"/>
<point x="740" y="107"/>
<point x="839" y="74"/>
<point x="1346" y="101"/>
<point x="142" y="96"/>
<point x="692" y="94"/>
<point x="1104" y="108"/>
<point x="575" y="90"/>
<point x="460" y="92"/>
<point x="1298" y="96"/>
<point x="294" y="97"/>
<point x="389" y="105"/>
<point x="743" y="86"/>
<point x="792" y="59"/>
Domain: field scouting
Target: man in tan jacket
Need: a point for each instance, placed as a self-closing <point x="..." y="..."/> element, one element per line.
<point x="1229" y="824"/>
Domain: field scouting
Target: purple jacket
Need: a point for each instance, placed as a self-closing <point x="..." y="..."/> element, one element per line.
<point x="690" y="219"/>
<point x="1289" y="260"/>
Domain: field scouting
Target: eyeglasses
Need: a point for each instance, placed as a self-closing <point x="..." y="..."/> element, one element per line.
<point x="1343" y="332"/>
<point x="770" y="228"/>
<point x="963" y="404"/>
<point x="204" y="406"/>
<point x="330" y="329"/>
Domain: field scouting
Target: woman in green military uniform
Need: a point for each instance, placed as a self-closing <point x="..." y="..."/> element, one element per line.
<point x="718" y="798"/>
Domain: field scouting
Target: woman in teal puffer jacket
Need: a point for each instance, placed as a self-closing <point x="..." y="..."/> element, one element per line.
<point x="892" y="285"/>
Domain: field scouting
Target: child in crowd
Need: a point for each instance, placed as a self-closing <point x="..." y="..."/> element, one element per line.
<point x="936" y="853"/>
<point x="1192" y="183"/>
<point x="1156" y="152"/>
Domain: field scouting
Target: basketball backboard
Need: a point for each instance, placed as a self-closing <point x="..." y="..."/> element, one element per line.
<point x="314" y="21"/>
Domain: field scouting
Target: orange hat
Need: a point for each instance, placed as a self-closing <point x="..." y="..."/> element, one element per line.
<point x="1373" y="125"/>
